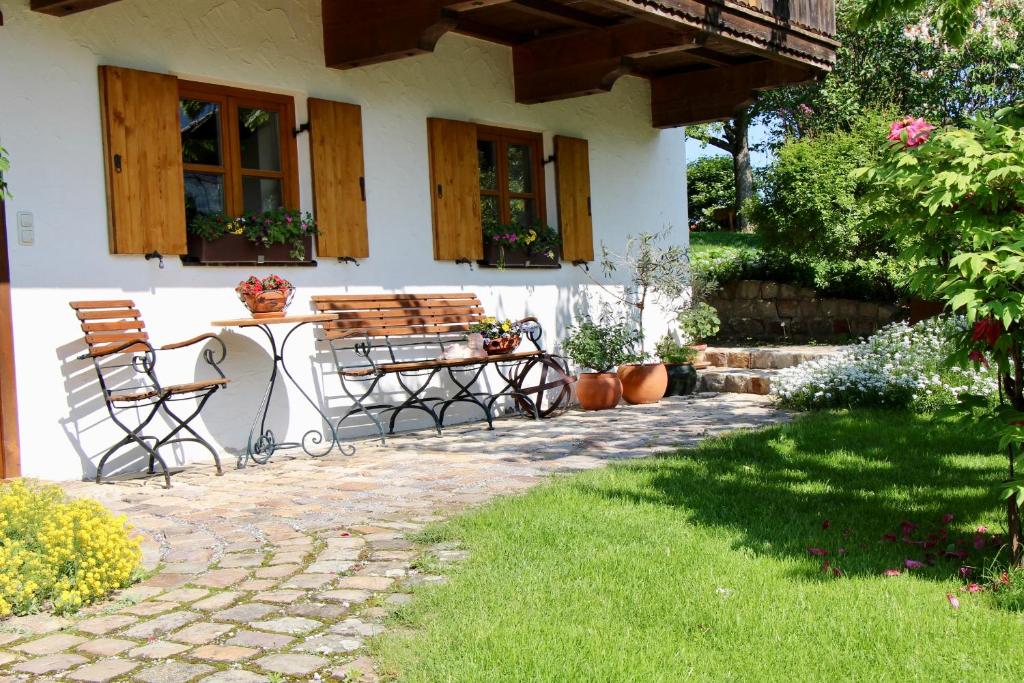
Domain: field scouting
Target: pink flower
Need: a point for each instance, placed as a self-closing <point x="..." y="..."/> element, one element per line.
<point x="913" y="564"/>
<point x="947" y="518"/>
<point x="978" y="357"/>
<point x="910" y="131"/>
<point x="820" y="552"/>
<point x="966" y="571"/>
<point x="974" y="588"/>
<point x="891" y="572"/>
<point x="907" y="527"/>
<point x="836" y="571"/>
<point x="805" y="109"/>
<point x="826" y="524"/>
<point x="841" y="551"/>
<point x="982" y="530"/>
<point x="979" y="542"/>
<point x="954" y="602"/>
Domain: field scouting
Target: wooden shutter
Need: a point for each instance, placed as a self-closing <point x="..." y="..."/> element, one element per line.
<point x="572" y="164"/>
<point x="339" y="185"/>
<point x="455" y="188"/>
<point x="145" y="174"/>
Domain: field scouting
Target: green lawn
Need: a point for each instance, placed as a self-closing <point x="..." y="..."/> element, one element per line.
<point x="696" y="566"/>
<point x="707" y="241"/>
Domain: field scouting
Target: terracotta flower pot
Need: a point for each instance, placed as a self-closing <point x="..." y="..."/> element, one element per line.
<point x="598" y="390"/>
<point x="271" y="304"/>
<point x="643" y="383"/>
<point x="701" y="350"/>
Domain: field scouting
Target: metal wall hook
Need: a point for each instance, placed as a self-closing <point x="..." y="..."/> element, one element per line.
<point x="348" y="259"/>
<point x="582" y="264"/>
<point x="156" y="255"/>
<point x="303" y="128"/>
<point x="467" y="261"/>
<point x="551" y="159"/>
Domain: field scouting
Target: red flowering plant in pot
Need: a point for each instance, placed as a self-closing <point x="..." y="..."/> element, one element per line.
<point x="266" y="298"/>
<point x="955" y="199"/>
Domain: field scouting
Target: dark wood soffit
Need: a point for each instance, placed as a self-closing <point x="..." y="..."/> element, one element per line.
<point x="715" y="94"/>
<point x="62" y="8"/>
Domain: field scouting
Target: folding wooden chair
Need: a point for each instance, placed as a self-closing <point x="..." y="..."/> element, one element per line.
<point x="124" y="361"/>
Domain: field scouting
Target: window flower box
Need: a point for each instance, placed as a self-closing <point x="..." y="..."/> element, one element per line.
<point x="236" y="249"/>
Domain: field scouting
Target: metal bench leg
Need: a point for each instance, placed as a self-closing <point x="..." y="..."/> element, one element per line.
<point x="414" y="402"/>
<point x="361" y="407"/>
<point x="467" y="395"/>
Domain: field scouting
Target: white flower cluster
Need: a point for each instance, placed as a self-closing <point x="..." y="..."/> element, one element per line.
<point x="900" y="365"/>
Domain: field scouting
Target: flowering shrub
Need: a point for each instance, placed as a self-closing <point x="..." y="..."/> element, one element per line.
<point x="282" y="226"/>
<point x="900" y="365"/>
<point x="67" y="553"/>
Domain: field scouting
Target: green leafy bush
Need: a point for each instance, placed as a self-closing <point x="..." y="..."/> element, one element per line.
<point x="699" y="322"/>
<point x="671" y="351"/>
<point x="602" y="346"/>
<point x="710" y="186"/>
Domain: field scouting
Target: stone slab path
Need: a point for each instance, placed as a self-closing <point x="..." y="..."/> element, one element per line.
<point x="281" y="572"/>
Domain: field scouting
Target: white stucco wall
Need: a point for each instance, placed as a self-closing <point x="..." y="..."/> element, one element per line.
<point x="50" y="123"/>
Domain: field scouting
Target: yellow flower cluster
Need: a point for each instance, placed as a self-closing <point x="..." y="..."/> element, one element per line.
<point x="67" y="552"/>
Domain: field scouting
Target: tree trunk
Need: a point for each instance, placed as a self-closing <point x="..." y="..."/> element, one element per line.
<point x="743" y="172"/>
<point x="1013" y="524"/>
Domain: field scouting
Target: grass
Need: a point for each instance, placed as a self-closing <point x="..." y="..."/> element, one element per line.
<point x="696" y="566"/>
<point x="705" y="241"/>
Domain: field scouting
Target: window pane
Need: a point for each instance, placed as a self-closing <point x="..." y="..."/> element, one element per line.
<point x="261" y="194"/>
<point x="523" y="211"/>
<point x="520" y="168"/>
<point x="260" y="135"/>
<point x="200" y="132"/>
<point x="204" y="193"/>
<point x="487" y="154"/>
<point x="490" y="209"/>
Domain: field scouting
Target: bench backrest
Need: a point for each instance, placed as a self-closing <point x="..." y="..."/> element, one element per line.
<point x="398" y="315"/>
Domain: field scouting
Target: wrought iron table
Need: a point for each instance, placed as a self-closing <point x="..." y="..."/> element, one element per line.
<point x="262" y="443"/>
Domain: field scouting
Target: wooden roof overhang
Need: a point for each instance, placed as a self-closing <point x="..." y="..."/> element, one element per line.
<point x="704" y="58"/>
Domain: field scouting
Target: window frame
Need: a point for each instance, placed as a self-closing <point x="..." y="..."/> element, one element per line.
<point x="504" y="137"/>
<point x="231" y="99"/>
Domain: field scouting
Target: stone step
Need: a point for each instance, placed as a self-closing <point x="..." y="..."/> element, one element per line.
<point x="765" y="358"/>
<point x="737" y="380"/>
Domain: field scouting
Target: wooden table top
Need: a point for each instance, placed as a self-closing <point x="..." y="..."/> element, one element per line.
<point x="281" y="320"/>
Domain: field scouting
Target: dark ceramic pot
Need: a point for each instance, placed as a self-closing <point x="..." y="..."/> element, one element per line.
<point x="682" y="379"/>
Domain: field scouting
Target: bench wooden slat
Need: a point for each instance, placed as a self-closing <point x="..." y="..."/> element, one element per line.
<point x="384" y="296"/>
<point x="407" y="312"/>
<point x="397" y="331"/>
<point x="387" y="304"/>
<point x="408" y="321"/>
<point x="412" y="366"/>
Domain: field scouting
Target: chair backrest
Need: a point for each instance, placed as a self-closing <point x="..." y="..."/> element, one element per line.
<point x="398" y="315"/>
<point x="109" y="324"/>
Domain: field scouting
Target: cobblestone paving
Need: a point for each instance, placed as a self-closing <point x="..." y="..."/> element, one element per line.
<point x="282" y="572"/>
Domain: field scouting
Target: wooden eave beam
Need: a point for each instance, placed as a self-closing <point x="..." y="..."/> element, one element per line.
<point x="560" y="13"/>
<point x="589" y="62"/>
<point x="62" y="8"/>
<point x="714" y="94"/>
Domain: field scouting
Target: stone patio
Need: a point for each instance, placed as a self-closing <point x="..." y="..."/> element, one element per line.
<point x="281" y="572"/>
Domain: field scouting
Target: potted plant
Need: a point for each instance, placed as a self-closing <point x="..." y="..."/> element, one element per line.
<point x="655" y="272"/>
<point x="278" y="236"/>
<point x="678" y="360"/>
<point x="266" y="298"/>
<point x="600" y="347"/>
<point x="521" y="246"/>
<point x="698" y="322"/>
<point x="500" y="336"/>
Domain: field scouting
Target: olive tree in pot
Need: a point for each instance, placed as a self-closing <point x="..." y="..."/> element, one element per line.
<point x="599" y="347"/>
<point x="678" y="360"/>
<point x="697" y="323"/>
<point x="657" y="273"/>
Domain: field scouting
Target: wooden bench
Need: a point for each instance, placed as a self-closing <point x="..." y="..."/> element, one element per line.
<point x="374" y="336"/>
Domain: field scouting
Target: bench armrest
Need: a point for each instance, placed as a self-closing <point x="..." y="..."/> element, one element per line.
<point x="188" y="342"/>
<point x="110" y="350"/>
<point x="213" y="357"/>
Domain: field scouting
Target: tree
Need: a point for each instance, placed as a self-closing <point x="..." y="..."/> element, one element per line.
<point x="954" y="18"/>
<point x="710" y="188"/>
<point x="733" y="136"/>
<point x="902" y="63"/>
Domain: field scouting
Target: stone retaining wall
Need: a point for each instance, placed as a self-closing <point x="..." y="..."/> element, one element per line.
<point x="772" y="311"/>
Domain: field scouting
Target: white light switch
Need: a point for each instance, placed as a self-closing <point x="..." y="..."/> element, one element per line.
<point x="26" y="228"/>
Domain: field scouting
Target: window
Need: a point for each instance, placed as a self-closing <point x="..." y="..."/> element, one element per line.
<point x="239" y="153"/>
<point x="511" y="176"/>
